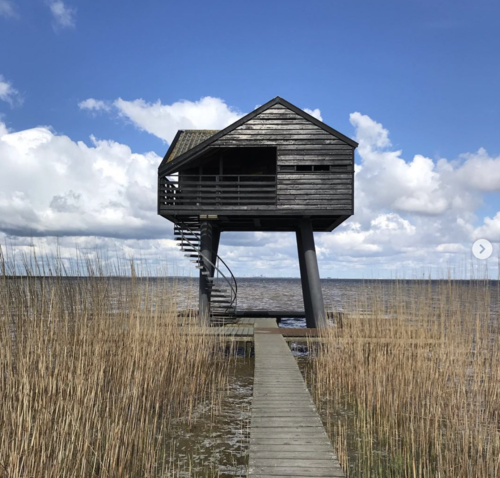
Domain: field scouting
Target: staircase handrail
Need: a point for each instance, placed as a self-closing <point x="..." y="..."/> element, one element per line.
<point x="234" y="289"/>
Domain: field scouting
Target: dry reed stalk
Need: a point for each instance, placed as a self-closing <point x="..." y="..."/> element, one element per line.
<point x="410" y="385"/>
<point x="93" y="371"/>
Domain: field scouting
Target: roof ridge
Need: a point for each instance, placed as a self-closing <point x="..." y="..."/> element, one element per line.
<point x="184" y="154"/>
<point x="199" y="130"/>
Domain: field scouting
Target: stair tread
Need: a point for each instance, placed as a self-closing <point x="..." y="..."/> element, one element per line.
<point x="187" y="234"/>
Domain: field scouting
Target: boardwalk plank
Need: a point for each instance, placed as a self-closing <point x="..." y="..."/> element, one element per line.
<point x="293" y="448"/>
<point x="266" y="471"/>
<point x="291" y="462"/>
<point x="287" y="437"/>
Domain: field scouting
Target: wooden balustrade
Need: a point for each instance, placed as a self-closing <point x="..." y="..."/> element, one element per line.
<point x="218" y="190"/>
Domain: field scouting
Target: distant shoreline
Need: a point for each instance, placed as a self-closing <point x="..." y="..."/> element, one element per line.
<point x="493" y="281"/>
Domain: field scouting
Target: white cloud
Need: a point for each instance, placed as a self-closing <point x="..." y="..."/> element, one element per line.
<point x="419" y="209"/>
<point x="64" y="16"/>
<point x="3" y="129"/>
<point x="386" y="181"/>
<point x="7" y="9"/>
<point x="369" y="133"/>
<point x="479" y="171"/>
<point x="489" y="230"/>
<point x="409" y="213"/>
<point x="8" y="93"/>
<point x="451" y="248"/>
<point x="316" y="113"/>
<point x="386" y="234"/>
<point x="92" y="104"/>
<point x="164" y="120"/>
<point x="53" y="186"/>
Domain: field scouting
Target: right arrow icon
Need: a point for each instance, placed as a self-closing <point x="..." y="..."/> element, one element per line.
<point x="482" y="249"/>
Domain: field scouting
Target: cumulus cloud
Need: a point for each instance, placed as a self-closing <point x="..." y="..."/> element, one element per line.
<point x="416" y="211"/>
<point x="479" y="171"/>
<point x="386" y="181"/>
<point x="8" y="93"/>
<point x="53" y="186"/>
<point x="94" y="105"/>
<point x="164" y="120"/>
<point x="386" y="233"/>
<point x="63" y="16"/>
<point x="409" y="212"/>
<point x="451" y="248"/>
<point x="7" y="9"/>
<point x="489" y="230"/>
<point x="316" y="113"/>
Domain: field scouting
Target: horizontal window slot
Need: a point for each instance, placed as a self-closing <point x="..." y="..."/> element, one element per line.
<point x="312" y="168"/>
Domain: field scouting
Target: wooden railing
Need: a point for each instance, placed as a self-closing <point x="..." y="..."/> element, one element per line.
<point x="218" y="190"/>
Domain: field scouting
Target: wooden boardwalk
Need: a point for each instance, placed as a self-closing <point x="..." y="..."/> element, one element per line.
<point x="245" y="327"/>
<point x="287" y="438"/>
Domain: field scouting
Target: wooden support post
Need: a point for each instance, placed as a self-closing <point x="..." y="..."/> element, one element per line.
<point x="248" y="349"/>
<point x="306" y="293"/>
<point x="206" y="242"/>
<point x="313" y="284"/>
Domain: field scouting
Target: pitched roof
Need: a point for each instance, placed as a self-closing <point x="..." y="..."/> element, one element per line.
<point x="187" y="139"/>
<point x="169" y="165"/>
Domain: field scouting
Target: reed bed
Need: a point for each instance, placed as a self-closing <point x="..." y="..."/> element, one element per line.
<point x="409" y="382"/>
<point x="94" y="370"/>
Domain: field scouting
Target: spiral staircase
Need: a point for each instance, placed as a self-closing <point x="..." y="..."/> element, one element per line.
<point x="222" y="285"/>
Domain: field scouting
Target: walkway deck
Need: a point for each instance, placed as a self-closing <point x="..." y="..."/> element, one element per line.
<point x="245" y="327"/>
<point x="287" y="438"/>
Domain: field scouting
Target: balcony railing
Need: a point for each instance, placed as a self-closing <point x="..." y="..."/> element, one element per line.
<point x="217" y="190"/>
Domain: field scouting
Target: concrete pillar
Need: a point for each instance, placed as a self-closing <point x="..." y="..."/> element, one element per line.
<point x="306" y="293"/>
<point x="313" y="284"/>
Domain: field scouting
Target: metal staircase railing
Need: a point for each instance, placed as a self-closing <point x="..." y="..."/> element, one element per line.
<point x="223" y="288"/>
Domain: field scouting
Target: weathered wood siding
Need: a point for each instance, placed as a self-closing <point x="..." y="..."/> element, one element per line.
<point x="300" y="143"/>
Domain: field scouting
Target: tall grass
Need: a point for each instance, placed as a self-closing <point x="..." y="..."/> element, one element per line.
<point x="94" y="370"/>
<point x="410" y="384"/>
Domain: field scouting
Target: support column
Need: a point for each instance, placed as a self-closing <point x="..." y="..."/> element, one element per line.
<point x="206" y="242"/>
<point x="312" y="281"/>
<point x="305" y="283"/>
<point x="215" y="245"/>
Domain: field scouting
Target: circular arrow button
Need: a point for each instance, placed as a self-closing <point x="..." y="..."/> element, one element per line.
<point x="482" y="249"/>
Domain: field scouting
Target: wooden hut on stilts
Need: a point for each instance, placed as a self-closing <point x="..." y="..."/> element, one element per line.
<point x="276" y="169"/>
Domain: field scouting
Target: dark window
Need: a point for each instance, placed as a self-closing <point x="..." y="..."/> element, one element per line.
<point x="242" y="161"/>
<point x="338" y="168"/>
<point x="306" y="168"/>
<point x="322" y="167"/>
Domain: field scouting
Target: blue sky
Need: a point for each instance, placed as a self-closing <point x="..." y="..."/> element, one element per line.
<point x="426" y="72"/>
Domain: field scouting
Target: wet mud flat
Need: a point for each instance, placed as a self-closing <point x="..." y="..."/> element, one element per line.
<point x="216" y="444"/>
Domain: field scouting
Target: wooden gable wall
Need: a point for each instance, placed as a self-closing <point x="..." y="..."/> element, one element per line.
<point x="300" y="143"/>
